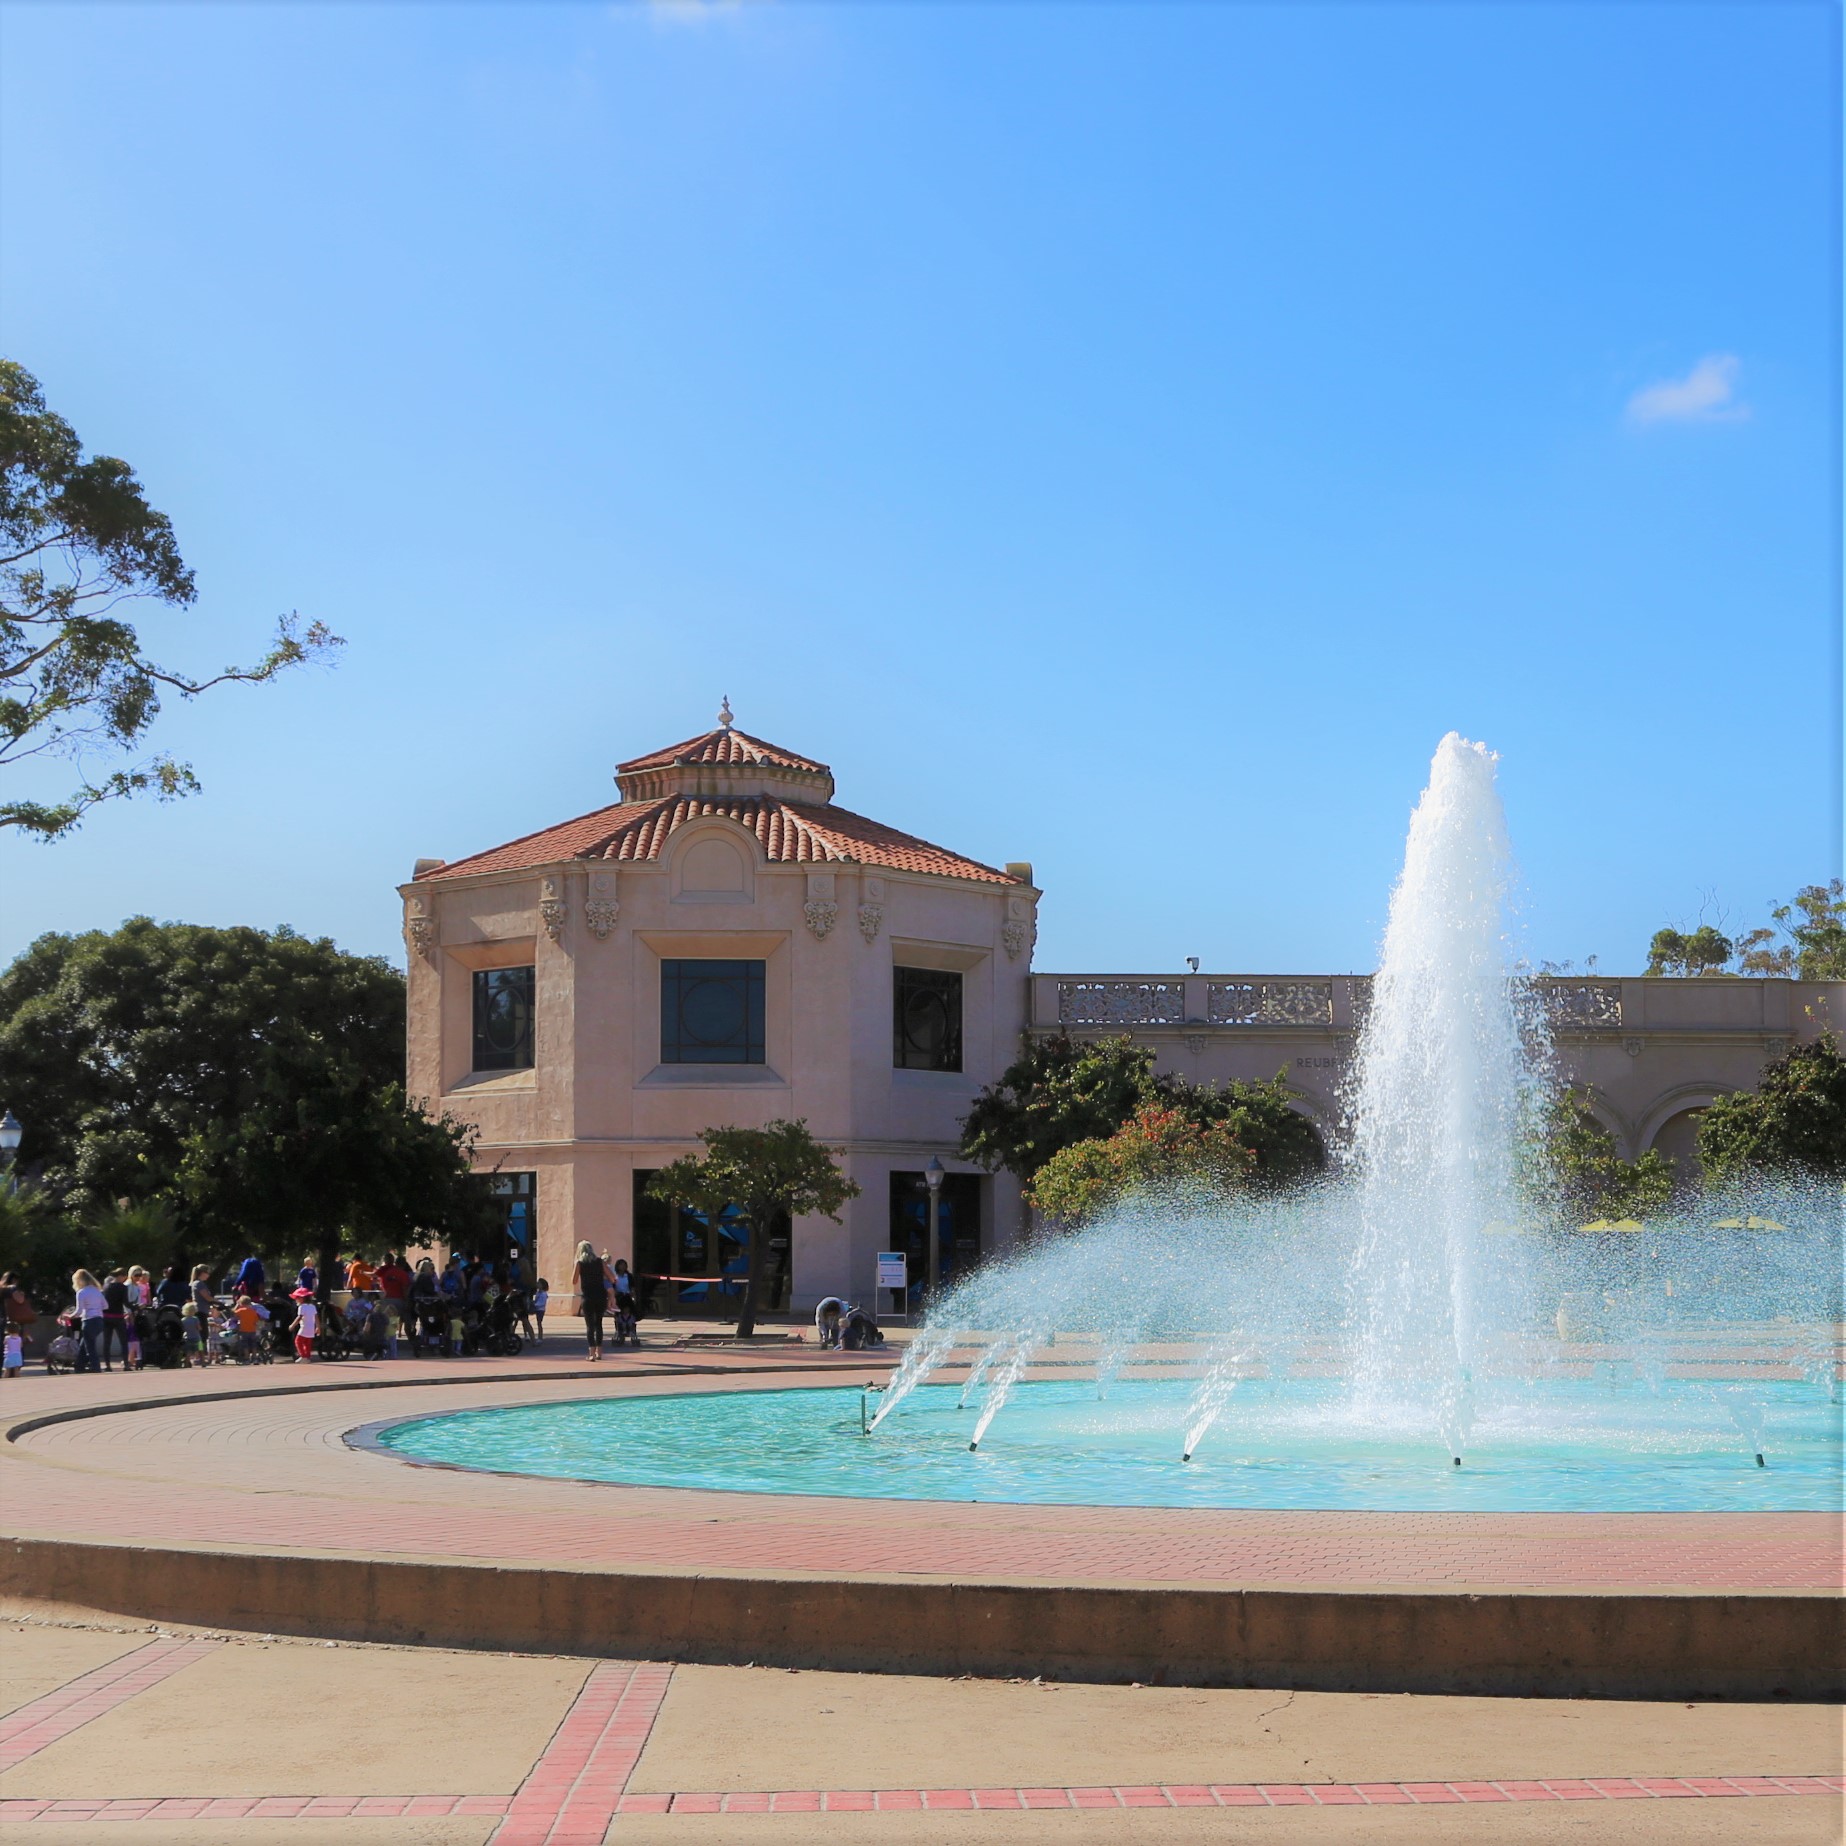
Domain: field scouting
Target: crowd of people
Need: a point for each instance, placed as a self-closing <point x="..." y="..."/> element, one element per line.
<point x="361" y="1309"/>
<point x="366" y="1308"/>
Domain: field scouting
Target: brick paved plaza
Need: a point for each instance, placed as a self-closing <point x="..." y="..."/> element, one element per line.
<point x="215" y="1722"/>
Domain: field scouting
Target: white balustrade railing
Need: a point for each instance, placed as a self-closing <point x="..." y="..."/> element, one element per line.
<point x="1323" y="1003"/>
<point x="1269" y="1003"/>
<point x="1121" y="1003"/>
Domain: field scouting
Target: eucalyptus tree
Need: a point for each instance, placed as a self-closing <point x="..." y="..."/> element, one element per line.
<point x="79" y="544"/>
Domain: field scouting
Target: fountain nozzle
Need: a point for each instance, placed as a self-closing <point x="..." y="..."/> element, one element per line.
<point x="1187" y="1456"/>
<point x="973" y="1446"/>
<point x="1456" y="1459"/>
<point x="1759" y="1460"/>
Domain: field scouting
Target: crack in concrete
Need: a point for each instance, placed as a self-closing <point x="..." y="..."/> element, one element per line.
<point x="1263" y="1724"/>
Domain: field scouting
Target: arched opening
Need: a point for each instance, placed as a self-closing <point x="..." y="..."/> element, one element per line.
<point x="1678" y="1138"/>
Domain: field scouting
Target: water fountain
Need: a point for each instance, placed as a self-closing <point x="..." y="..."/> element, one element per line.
<point x="1426" y="1257"/>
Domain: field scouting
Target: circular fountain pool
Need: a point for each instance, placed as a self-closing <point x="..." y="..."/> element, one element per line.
<point x="1558" y="1446"/>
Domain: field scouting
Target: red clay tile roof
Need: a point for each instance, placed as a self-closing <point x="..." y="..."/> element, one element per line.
<point x="789" y="832"/>
<point x="722" y="746"/>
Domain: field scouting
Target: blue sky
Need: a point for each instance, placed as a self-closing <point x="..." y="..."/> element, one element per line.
<point x="1120" y="438"/>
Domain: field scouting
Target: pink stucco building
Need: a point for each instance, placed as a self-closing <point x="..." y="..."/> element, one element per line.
<point x="722" y="945"/>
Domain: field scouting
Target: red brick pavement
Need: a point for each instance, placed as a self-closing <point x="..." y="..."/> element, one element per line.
<point x="272" y="1471"/>
<point x="574" y="1787"/>
<point x="587" y="1818"/>
<point x="44" y="1720"/>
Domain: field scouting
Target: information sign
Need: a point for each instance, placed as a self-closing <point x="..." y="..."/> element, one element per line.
<point x="893" y="1270"/>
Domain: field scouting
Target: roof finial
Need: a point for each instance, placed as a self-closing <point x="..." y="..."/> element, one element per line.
<point x="724" y="712"/>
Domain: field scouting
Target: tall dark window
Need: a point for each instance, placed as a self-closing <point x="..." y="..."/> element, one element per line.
<point x="503" y="1019"/>
<point x="926" y="1019"/>
<point x="711" y="1012"/>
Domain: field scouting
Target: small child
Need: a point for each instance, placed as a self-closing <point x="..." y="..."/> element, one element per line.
<point x="540" y="1296"/>
<point x="307" y="1322"/>
<point x="214" y="1336"/>
<point x="15" y="1352"/>
<point x="189" y="1334"/>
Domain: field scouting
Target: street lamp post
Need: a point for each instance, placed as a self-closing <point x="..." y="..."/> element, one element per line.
<point x="933" y="1244"/>
<point x="11" y="1134"/>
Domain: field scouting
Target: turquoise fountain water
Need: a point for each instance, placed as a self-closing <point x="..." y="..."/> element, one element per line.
<point x="1383" y="1339"/>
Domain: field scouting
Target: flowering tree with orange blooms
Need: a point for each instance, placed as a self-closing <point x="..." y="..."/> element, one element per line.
<point x="1159" y="1151"/>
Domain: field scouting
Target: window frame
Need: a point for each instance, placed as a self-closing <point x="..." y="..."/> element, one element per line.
<point x="908" y="980"/>
<point x="482" y="987"/>
<point x="678" y="1047"/>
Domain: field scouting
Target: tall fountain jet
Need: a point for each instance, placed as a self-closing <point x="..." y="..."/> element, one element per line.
<point x="1442" y="1081"/>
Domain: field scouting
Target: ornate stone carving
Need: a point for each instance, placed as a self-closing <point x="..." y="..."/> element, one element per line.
<point x="1581" y="1005"/>
<point x="1195" y="1042"/>
<point x="1121" y="1003"/>
<point x="552" y="910"/>
<point x="1269" y="1003"/>
<point x="1016" y="937"/>
<point x="420" y="933"/>
<point x="602" y="909"/>
<point x="1633" y="1046"/>
<point x="1776" y="1047"/>
<point x="820" y="914"/>
<point x="871" y="920"/>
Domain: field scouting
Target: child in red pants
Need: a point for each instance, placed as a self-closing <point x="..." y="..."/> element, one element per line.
<point x="307" y="1323"/>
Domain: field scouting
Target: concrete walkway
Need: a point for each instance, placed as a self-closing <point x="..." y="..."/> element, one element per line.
<point x="139" y="1735"/>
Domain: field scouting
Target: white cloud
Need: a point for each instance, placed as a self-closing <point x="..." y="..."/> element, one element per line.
<point x="1707" y="394"/>
<point x="690" y="12"/>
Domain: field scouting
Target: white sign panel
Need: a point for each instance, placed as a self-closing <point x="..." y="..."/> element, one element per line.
<point x="893" y="1269"/>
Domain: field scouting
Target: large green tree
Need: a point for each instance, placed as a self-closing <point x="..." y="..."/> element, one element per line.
<point x="78" y="544"/>
<point x="249" y="1081"/>
<point x="1063" y="1091"/>
<point x="1585" y="1175"/>
<point x="1805" y="938"/>
<point x="1794" y="1121"/>
<point x="771" y="1175"/>
<point x="1057" y="1092"/>
<point x="1689" y="953"/>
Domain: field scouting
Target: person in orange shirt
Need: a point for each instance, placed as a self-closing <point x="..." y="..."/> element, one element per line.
<point x="249" y="1313"/>
<point x="360" y="1275"/>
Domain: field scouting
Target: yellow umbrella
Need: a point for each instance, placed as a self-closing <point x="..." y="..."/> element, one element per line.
<point x="1613" y="1224"/>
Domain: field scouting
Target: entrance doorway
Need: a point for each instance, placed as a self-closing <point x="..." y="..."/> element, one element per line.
<point x="959" y="1249"/>
<point x="688" y="1265"/>
<point x="515" y="1198"/>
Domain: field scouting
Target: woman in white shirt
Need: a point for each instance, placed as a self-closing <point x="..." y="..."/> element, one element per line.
<point x="90" y="1310"/>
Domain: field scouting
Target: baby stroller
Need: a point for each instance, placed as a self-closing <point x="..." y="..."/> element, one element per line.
<point x="165" y="1344"/>
<point x="488" y="1327"/>
<point x="426" y="1320"/>
<point x="622" y="1308"/>
<point x="352" y="1335"/>
<point x="247" y="1348"/>
<point x="61" y="1354"/>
